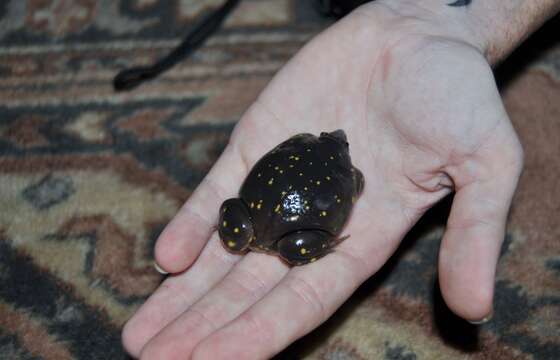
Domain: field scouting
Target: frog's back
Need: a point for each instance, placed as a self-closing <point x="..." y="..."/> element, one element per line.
<point x="303" y="183"/>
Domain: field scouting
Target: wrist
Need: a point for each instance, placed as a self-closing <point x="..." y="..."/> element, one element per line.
<point x="417" y="21"/>
<point x="493" y="27"/>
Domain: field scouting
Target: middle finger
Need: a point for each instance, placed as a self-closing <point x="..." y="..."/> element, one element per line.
<point x="247" y="282"/>
<point x="177" y="293"/>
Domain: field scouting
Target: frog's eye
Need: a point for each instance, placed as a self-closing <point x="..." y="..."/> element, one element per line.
<point x="235" y="227"/>
<point x="337" y="135"/>
<point x="359" y="181"/>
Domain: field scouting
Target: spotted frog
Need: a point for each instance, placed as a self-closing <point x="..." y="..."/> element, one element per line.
<point x="295" y="200"/>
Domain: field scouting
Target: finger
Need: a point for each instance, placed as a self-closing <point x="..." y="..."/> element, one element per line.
<point x="181" y="241"/>
<point x="226" y="300"/>
<point x="176" y="294"/>
<point x="307" y="296"/>
<point x="475" y="231"/>
<point x="248" y="281"/>
<point x="185" y="236"/>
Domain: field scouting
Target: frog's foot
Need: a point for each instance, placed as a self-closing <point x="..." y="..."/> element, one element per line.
<point x="235" y="226"/>
<point x="337" y="241"/>
<point x="305" y="246"/>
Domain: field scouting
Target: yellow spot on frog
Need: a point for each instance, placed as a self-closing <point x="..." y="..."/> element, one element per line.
<point x="259" y="175"/>
<point x="338" y="200"/>
<point x="306" y="207"/>
<point x="308" y="150"/>
<point x="225" y="223"/>
<point x="313" y="260"/>
<point x="303" y="251"/>
<point x="290" y="187"/>
<point x="252" y="205"/>
<point x="270" y="181"/>
<point x="276" y="168"/>
<point x="296" y="158"/>
<point x="323" y="213"/>
<point x="231" y="243"/>
<point x="291" y="157"/>
<point x="332" y="157"/>
<point x="311" y="163"/>
<point x="305" y="188"/>
<point x="281" y="171"/>
<point x="291" y="165"/>
<point x="300" y="174"/>
<point x="328" y="177"/>
<point x="326" y="163"/>
<point x="318" y="182"/>
<point x="259" y="206"/>
<point x="236" y="230"/>
<point x="277" y="208"/>
<point x="284" y="193"/>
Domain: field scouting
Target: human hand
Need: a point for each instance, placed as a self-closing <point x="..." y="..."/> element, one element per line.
<point x="423" y="117"/>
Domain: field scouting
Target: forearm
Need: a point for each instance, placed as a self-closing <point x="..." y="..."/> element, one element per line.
<point x="495" y="27"/>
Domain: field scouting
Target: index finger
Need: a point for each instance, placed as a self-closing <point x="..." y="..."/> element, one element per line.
<point x="184" y="237"/>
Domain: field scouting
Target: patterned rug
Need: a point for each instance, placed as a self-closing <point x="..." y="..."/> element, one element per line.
<point x="89" y="177"/>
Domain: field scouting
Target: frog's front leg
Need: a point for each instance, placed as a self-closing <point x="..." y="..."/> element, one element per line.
<point x="236" y="226"/>
<point x="305" y="246"/>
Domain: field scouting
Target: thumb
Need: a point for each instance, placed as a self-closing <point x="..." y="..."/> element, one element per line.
<point x="485" y="184"/>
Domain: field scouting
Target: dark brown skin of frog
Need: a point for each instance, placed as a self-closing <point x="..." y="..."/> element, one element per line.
<point x="295" y="201"/>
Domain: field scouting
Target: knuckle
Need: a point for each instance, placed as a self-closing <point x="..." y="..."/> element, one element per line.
<point x="519" y="156"/>
<point x="248" y="282"/>
<point x="152" y="351"/>
<point x="255" y="325"/>
<point x="358" y="266"/>
<point x="222" y="256"/>
<point x="514" y="156"/>
<point x="307" y="293"/>
<point x="201" y="317"/>
<point x="213" y="189"/>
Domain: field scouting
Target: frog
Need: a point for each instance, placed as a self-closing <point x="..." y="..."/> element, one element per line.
<point x="295" y="200"/>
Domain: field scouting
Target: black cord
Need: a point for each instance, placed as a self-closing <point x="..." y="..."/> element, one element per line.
<point x="337" y="8"/>
<point x="131" y="78"/>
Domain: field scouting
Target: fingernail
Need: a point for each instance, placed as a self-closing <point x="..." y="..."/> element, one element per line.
<point x="159" y="269"/>
<point x="483" y="320"/>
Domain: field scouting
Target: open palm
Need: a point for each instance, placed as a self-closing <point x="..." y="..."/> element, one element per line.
<point x="423" y="118"/>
